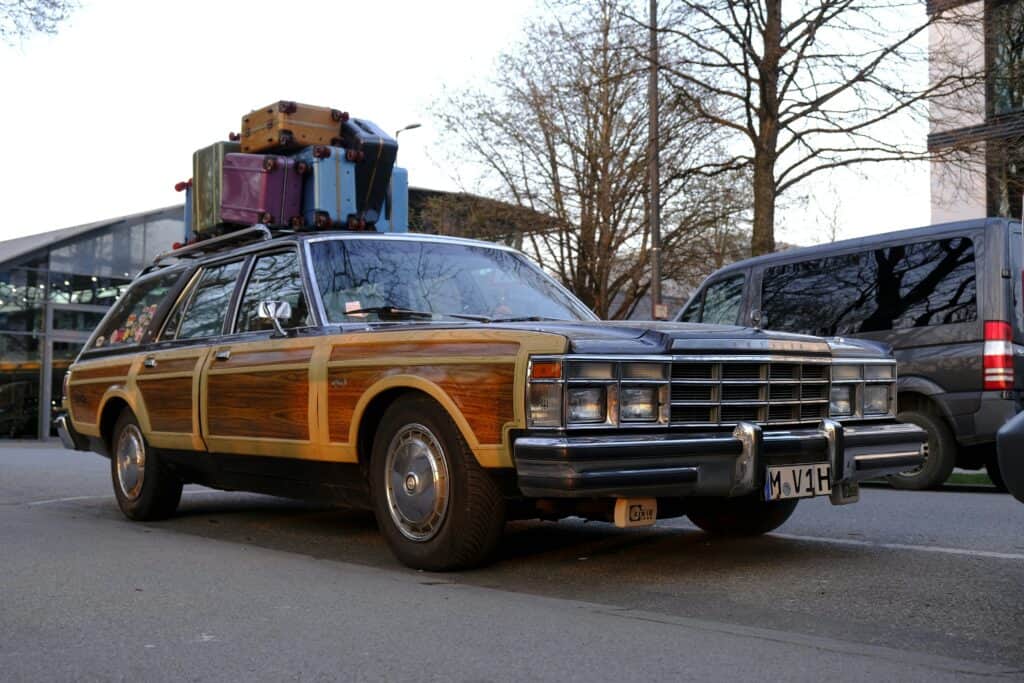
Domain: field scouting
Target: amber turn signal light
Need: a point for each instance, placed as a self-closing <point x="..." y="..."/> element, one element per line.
<point x="546" y="369"/>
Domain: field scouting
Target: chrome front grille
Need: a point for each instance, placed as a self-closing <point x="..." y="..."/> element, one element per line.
<point x="728" y="392"/>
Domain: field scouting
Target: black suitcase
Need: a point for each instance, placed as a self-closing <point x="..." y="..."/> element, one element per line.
<point x="373" y="152"/>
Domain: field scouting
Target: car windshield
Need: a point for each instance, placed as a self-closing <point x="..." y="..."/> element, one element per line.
<point x="383" y="279"/>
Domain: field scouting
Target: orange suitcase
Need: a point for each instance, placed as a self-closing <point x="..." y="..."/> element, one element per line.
<point x="290" y="125"/>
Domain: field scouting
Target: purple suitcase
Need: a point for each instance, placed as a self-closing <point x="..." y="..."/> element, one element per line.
<point x="262" y="188"/>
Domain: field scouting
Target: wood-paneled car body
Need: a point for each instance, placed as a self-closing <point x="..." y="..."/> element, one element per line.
<point x="450" y="385"/>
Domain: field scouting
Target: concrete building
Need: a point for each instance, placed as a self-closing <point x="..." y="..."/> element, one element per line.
<point x="983" y="122"/>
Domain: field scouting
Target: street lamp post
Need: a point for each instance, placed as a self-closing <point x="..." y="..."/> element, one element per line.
<point x="391" y="183"/>
<point x="658" y="310"/>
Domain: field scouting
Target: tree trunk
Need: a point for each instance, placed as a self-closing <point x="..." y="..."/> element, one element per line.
<point x="767" y="143"/>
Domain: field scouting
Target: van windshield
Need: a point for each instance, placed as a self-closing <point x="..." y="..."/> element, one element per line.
<point x="362" y="280"/>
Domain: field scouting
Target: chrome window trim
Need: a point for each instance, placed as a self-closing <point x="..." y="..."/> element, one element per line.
<point x="232" y="329"/>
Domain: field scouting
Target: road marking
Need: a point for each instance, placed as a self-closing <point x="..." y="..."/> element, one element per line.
<point x="904" y="546"/>
<point x="103" y="497"/>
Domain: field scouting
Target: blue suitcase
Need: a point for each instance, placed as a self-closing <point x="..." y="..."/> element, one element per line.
<point x="395" y="215"/>
<point x="329" y="191"/>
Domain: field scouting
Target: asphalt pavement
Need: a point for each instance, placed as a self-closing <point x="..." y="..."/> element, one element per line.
<point x="904" y="585"/>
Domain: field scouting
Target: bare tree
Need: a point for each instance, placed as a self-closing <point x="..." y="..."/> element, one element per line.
<point x="561" y="130"/>
<point x="21" y="18"/>
<point x="807" y="87"/>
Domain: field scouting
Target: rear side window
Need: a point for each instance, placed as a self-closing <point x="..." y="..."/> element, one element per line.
<point x="207" y="306"/>
<point x="719" y="303"/>
<point x="906" y="286"/>
<point x="132" y="315"/>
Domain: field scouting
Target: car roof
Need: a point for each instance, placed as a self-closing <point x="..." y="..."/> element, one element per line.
<point x="800" y="253"/>
<point x="187" y="262"/>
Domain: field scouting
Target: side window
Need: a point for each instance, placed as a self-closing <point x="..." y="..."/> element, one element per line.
<point x="910" y="285"/>
<point x="274" y="277"/>
<point x="132" y="314"/>
<point x="691" y="314"/>
<point x="827" y="296"/>
<point x="208" y="304"/>
<point x="722" y="301"/>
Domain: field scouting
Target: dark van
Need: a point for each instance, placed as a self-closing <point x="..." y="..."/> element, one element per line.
<point x="946" y="297"/>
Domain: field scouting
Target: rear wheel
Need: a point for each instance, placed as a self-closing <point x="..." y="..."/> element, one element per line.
<point x="744" y="516"/>
<point x="145" y="488"/>
<point x="437" y="508"/>
<point x="941" y="456"/>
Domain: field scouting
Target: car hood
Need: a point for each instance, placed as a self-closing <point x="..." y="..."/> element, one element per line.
<point x="656" y="338"/>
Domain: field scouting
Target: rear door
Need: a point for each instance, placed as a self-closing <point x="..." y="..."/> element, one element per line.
<point x="258" y="397"/>
<point x="169" y="377"/>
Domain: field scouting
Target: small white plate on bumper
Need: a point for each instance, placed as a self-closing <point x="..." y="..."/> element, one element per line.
<point x="797" y="481"/>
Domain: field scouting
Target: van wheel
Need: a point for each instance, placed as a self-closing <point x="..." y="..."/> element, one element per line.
<point x="437" y="508"/>
<point x="939" y="461"/>
<point x="744" y="516"/>
<point x="145" y="488"/>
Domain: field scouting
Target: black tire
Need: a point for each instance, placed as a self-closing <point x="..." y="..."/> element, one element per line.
<point x="941" y="458"/>
<point x="159" y="492"/>
<point x="744" y="516"/>
<point x="995" y="474"/>
<point x="466" y="531"/>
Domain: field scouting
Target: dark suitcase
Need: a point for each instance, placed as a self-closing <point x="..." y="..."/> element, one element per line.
<point x="329" y="189"/>
<point x="290" y="125"/>
<point x="262" y="188"/>
<point x="207" y="177"/>
<point x="373" y="152"/>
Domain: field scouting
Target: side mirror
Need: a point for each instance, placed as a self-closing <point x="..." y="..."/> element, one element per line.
<point x="275" y="311"/>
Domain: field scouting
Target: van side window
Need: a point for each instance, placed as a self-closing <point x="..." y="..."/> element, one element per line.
<point x="910" y="285"/>
<point x="722" y="301"/>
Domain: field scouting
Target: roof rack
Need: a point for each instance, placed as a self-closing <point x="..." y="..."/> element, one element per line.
<point x="257" y="233"/>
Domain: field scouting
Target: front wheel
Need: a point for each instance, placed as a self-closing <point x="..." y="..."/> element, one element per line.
<point x="437" y="508"/>
<point x="744" y="516"/>
<point x="145" y="488"/>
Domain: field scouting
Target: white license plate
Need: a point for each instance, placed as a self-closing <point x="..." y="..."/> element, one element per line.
<point x="797" y="481"/>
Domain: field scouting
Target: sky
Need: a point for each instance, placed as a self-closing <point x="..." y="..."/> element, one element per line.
<point x="101" y="120"/>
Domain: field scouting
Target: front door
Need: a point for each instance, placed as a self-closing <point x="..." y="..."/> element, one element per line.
<point x="257" y="389"/>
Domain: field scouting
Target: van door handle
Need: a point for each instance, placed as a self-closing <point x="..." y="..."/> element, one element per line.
<point x="150" y="362"/>
<point x="223" y="354"/>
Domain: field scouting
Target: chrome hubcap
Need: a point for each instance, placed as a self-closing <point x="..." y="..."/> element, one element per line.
<point x="131" y="461"/>
<point x="417" y="482"/>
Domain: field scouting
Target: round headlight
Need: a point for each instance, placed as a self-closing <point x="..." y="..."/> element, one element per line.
<point x="587" y="404"/>
<point x="638" y="404"/>
<point x="840" y="400"/>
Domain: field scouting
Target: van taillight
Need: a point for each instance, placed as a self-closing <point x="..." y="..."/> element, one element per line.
<point x="998" y="361"/>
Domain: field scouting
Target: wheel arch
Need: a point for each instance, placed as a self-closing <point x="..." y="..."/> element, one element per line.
<point x="111" y="409"/>
<point x="370" y="408"/>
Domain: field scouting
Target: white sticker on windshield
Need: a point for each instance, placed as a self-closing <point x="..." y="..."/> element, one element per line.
<point x="354" y="306"/>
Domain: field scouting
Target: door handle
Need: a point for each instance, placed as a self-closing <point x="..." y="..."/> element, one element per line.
<point x="150" y="362"/>
<point x="223" y="354"/>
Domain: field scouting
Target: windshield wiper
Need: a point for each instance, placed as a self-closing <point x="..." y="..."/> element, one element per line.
<point x="392" y="311"/>
<point x="522" y="319"/>
<point x="398" y="312"/>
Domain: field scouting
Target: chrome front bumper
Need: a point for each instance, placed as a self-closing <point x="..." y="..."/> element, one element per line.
<point x="709" y="464"/>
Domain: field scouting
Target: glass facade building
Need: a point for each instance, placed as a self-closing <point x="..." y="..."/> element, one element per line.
<point x="54" y="289"/>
